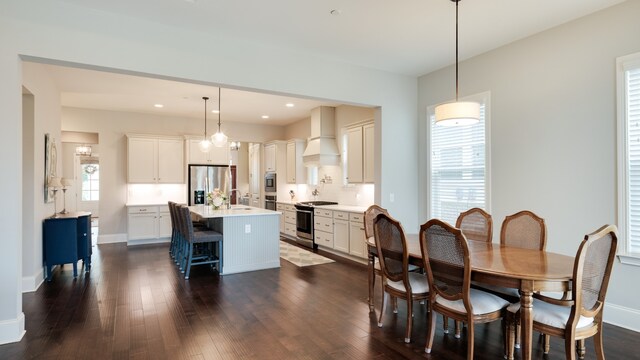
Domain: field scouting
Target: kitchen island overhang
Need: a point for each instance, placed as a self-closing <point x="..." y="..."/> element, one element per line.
<point x="250" y="236"/>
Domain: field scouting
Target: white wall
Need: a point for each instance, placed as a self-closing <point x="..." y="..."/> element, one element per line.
<point x="48" y="29"/>
<point x="46" y="120"/>
<point x="553" y="126"/>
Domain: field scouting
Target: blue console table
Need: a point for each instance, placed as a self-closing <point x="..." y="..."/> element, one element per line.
<point x="67" y="239"/>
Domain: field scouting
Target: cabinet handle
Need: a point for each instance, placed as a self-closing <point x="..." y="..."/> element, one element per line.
<point x="362" y="229"/>
<point x="142" y="209"/>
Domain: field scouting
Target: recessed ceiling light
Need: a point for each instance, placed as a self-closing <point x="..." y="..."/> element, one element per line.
<point x="215" y="111"/>
<point x="265" y="116"/>
<point x="159" y="105"/>
<point x="335" y="12"/>
<point x="290" y="105"/>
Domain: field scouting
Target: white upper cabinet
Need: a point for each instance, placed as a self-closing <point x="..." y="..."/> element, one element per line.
<point x="270" y="157"/>
<point x="360" y="153"/>
<point x="296" y="171"/>
<point x="215" y="156"/>
<point x="155" y="159"/>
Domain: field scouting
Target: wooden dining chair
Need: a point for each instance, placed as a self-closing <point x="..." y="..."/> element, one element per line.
<point x="580" y="317"/>
<point x="524" y="230"/>
<point x="446" y="255"/>
<point x="374" y="264"/>
<point x="391" y="245"/>
<point x="476" y="224"/>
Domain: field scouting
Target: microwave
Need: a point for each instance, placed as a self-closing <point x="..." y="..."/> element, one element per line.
<point x="270" y="182"/>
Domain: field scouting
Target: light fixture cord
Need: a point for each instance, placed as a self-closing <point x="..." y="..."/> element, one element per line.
<point x="219" y="105"/>
<point x="457" y="1"/>
<point x="205" y="116"/>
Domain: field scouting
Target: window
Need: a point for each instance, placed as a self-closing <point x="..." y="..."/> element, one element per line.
<point x="628" y="81"/>
<point x="458" y="165"/>
<point x="90" y="181"/>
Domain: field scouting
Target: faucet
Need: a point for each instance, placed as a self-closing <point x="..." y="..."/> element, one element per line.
<point x="229" y="197"/>
<point x="315" y="192"/>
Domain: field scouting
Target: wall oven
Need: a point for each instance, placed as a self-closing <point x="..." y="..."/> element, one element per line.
<point x="270" y="182"/>
<point x="304" y="222"/>
<point x="270" y="202"/>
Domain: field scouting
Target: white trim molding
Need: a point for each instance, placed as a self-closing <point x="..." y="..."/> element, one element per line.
<point x="32" y="283"/>
<point x="112" y="238"/>
<point x="622" y="316"/>
<point x="12" y="330"/>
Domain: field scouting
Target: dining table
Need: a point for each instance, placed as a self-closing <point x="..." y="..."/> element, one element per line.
<point x="527" y="270"/>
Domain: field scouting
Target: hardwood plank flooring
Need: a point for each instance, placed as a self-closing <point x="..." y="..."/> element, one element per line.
<point x="135" y="304"/>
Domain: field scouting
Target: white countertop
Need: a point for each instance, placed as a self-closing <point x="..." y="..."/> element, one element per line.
<point x="288" y="202"/>
<point x="348" y="208"/>
<point x="147" y="204"/>
<point x="207" y="212"/>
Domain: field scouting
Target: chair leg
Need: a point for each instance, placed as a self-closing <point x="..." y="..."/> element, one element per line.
<point x="407" y="337"/>
<point x="511" y="336"/>
<point x="189" y="259"/>
<point x="385" y="297"/>
<point x="570" y="348"/>
<point x="395" y="304"/>
<point x="458" y="328"/>
<point x="372" y="284"/>
<point x="597" y="342"/>
<point x="445" y="324"/>
<point x="518" y="336"/>
<point x="582" y="350"/>
<point x="546" y="341"/>
<point x="431" y="327"/>
<point x="470" y="340"/>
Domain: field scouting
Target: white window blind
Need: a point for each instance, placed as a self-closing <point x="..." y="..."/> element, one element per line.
<point x="632" y="114"/>
<point x="458" y="179"/>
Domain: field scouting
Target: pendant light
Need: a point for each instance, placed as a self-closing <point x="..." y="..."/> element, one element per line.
<point x="457" y="113"/>
<point x="205" y="144"/>
<point x="219" y="139"/>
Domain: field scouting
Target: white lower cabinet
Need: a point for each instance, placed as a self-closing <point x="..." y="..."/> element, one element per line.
<point x="356" y="235"/>
<point x="280" y="208"/>
<point x="323" y="227"/>
<point x="148" y="223"/>
<point x="341" y="235"/>
<point x="290" y="220"/>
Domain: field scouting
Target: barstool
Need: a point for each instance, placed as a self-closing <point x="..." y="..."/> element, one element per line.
<point x="199" y="244"/>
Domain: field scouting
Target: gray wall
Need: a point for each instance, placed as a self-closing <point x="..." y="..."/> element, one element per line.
<point x="553" y="132"/>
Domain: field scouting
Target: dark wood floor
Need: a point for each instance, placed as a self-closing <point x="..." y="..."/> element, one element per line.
<point x="135" y="305"/>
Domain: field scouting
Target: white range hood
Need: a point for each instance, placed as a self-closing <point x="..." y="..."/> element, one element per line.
<point x="321" y="146"/>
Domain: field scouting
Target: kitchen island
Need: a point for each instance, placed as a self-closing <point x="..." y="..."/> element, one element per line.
<point x="250" y="236"/>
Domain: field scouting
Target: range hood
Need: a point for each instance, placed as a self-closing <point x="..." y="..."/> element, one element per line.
<point x="321" y="146"/>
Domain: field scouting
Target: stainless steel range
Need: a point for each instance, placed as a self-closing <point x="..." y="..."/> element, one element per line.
<point x="304" y="221"/>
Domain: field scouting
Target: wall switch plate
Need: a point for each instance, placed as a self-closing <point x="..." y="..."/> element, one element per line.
<point x="392" y="197"/>
<point x="247" y="228"/>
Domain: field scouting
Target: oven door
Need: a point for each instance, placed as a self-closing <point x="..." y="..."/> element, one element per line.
<point x="304" y="224"/>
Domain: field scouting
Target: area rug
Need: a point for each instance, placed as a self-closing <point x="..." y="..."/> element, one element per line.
<point x="301" y="257"/>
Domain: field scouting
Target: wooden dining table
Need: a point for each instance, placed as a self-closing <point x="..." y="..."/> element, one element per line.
<point x="524" y="269"/>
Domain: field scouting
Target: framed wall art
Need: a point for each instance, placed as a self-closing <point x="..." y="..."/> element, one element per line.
<point x="50" y="166"/>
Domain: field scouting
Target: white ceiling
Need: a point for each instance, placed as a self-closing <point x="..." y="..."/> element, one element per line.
<point x="412" y="37"/>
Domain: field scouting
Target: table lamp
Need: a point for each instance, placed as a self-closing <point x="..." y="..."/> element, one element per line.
<point x="65" y="184"/>
<point x="54" y="183"/>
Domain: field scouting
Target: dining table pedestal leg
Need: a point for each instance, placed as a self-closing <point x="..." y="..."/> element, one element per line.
<point x="526" y="321"/>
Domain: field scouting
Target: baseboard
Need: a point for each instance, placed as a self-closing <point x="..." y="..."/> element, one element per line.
<point x="12" y="330"/>
<point x="148" y="241"/>
<point x="622" y="316"/>
<point x="112" y="238"/>
<point x="32" y="283"/>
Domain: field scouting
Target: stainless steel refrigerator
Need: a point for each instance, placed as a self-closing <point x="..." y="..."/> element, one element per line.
<point x="204" y="178"/>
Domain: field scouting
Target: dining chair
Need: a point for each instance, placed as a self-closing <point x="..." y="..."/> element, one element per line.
<point x="374" y="265"/>
<point x="446" y="255"/>
<point x="391" y="245"/>
<point x="524" y="230"/>
<point x="476" y="224"/>
<point x="198" y="246"/>
<point x="580" y="317"/>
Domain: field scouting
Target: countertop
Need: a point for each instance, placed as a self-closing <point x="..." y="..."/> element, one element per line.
<point x="348" y="208"/>
<point x="147" y="204"/>
<point x="207" y="212"/>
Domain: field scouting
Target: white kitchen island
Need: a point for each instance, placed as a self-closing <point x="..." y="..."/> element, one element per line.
<point x="250" y="236"/>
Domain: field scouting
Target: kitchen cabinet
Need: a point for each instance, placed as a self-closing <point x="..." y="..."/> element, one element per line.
<point x="255" y="175"/>
<point x="215" y="156"/>
<point x="290" y="220"/>
<point x="280" y="208"/>
<point x="67" y="239"/>
<point x="356" y="235"/>
<point x="270" y="157"/>
<point x="155" y="160"/>
<point x="323" y="227"/>
<point x="341" y="233"/>
<point x="148" y="223"/>
<point x="360" y="153"/>
<point x="296" y="171"/>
